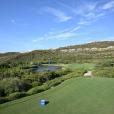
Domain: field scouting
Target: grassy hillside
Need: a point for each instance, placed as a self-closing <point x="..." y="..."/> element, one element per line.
<point x="74" y="96"/>
<point x="70" y="54"/>
<point x="8" y="56"/>
<point x="102" y="44"/>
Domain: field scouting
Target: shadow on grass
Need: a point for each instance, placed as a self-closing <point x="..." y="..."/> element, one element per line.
<point x="47" y="102"/>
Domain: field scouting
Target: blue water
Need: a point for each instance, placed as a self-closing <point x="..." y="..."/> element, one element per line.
<point x="47" y="68"/>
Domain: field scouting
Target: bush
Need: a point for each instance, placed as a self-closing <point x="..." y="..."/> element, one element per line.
<point x="35" y="83"/>
<point x="77" y="73"/>
<point x="104" y="72"/>
<point x="104" y="69"/>
<point x="16" y="95"/>
<point x="2" y="93"/>
<point x="25" y="86"/>
<point x="54" y="82"/>
<point x="11" y="85"/>
<point x="38" y="89"/>
<point x="64" y="72"/>
<point x="50" y="75"/>
<point x="107" y="63"/>
<point x="3" y="100"/>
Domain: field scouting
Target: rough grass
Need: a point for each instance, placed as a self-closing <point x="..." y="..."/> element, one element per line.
<point x="74" y="96"/>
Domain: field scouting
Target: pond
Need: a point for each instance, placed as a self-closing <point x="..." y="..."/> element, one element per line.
<point x="46" y="68"/>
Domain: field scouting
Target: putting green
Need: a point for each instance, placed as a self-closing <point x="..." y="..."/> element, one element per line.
<point x="74" y="96"/>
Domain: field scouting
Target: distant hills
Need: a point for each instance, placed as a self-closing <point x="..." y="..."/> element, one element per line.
<point x="102" y="44"/>
<point x="94" y="46"/>
<point x="74" y="53"/>
<point x="8" y="54"/>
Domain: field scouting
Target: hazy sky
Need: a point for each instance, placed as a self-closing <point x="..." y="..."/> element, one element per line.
<point x="43" y="24"/>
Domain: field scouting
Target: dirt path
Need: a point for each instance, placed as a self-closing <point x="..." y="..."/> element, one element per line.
<point x="88" y="74"/>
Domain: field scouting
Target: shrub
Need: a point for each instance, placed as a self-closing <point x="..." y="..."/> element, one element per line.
<point x="16" y="95"/>
<point x="2" y="93"/>
<point x="38" y="89"/>
<point x="54" y="82"/>
<point x="11" y="85"/>
<point x="64" y="72"/>
<point x="77" y="73"/>
<point x="107" y="63"/>
<point x="104" y="69"/>
<point x="35" y="83"/>
<point x="104" y="72"/>
<point x="3" y="100"/>
<point x="50" y="75"/>
<point x="24" y="86"/>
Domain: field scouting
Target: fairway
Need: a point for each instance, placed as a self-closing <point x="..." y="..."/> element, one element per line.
<point x="86" y="66"/>
<point x="74" y="96"/>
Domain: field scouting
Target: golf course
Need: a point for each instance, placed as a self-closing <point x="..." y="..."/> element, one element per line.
<point x="57" y="57"/>
<point x="74" y="96"/>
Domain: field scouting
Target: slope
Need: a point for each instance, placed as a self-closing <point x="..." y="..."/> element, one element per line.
<point x="74" y="96"/>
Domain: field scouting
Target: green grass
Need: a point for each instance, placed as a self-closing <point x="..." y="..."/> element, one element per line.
<point x="74" y="96"/>
<point x="86" y="66"/>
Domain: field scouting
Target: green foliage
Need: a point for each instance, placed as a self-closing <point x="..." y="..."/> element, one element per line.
<point x="4" y="65"/>
<point x="3" y="100"/>
<point x="18" y="79"/>
<point x="2" y="92"/>
<point x="10" y="85"/>
<point x="106" y="63"/>
<point x="104" y="69"/>
<point x="64" y="71"/>
<point x="40" y="81"/>
<point x="37" y="89"/>
<point x="55" y="82"/>
<point x="76" y="73"/>
<point x="104" y="72"/>
<point x="36" y="83"/>
<point x="16" y="95"/>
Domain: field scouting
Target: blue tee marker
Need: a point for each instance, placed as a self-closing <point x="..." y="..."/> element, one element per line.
<point x="42" y="102"/>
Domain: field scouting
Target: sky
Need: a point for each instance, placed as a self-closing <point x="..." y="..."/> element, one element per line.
<point x="27" y="25"/>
